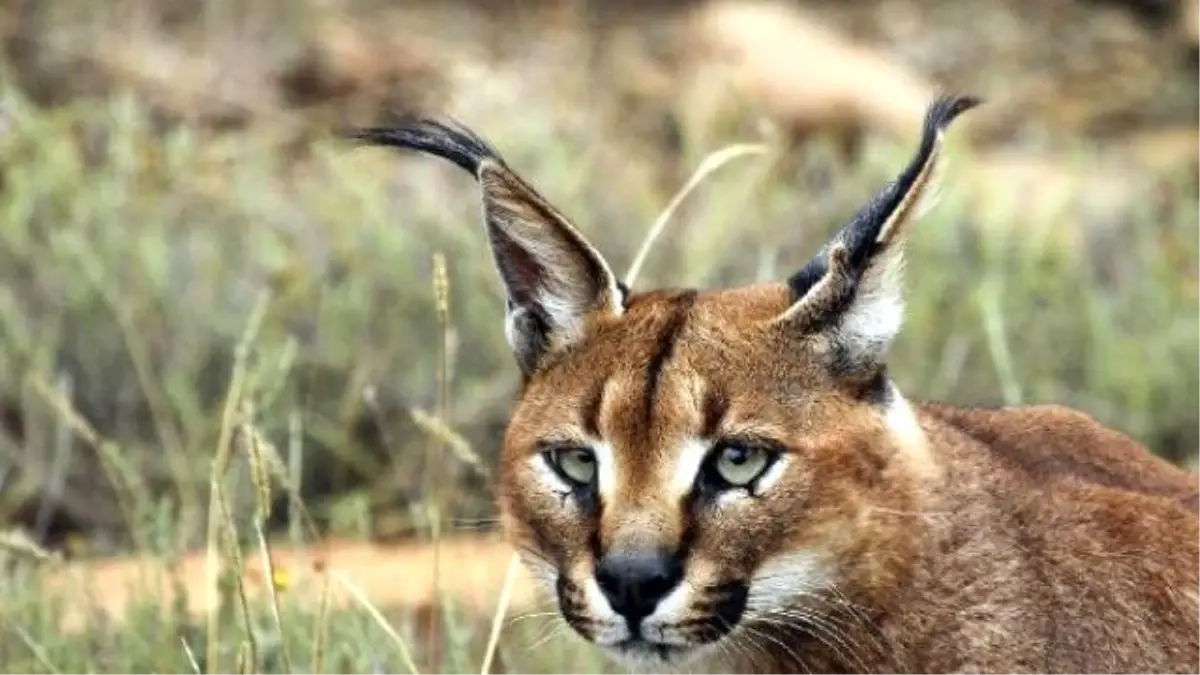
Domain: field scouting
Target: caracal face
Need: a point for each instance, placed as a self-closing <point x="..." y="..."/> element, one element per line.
<point x="691" y="470"/>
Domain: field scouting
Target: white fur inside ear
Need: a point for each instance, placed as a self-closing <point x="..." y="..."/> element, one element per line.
<point x="564" y="312"/>
<point x="875" y="317"/>
<point x="564" y="303"/>
<point x="511" y="318"/>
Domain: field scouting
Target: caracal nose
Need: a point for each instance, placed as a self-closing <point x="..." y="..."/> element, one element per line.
<point x="635" y="581"/>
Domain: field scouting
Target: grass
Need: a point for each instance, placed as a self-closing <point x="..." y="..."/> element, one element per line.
<point x="214" y="344"/>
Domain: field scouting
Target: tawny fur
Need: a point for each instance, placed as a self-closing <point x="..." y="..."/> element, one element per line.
<point x="886" y="536"/>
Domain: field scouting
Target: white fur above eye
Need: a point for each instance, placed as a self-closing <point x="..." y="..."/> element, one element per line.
<point x="606" y="470"/>
<point x="688" y="463"/>
<point x="772" y="475"/>
<point x="547" y="476"/>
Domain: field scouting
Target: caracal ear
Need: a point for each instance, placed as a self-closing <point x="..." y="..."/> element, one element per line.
<point x="851" y="291"/>
<point x="552" y="276"/>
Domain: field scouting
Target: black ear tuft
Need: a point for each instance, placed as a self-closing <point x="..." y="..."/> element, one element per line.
<point x="871" y="227"/>
<point x="851" y="290"/>
<point x="946" y="108"/>
<point x="448" y="139"/>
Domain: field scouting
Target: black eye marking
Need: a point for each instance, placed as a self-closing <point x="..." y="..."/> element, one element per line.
<point x="737" y="464"/>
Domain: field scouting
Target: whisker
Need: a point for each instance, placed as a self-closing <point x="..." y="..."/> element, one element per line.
<point x="730" y="643"/>
<point x="820" y="629"/>
<point x="755" y="650"/>
<point x="782" y="645"/>
<point x="853" y="612"/>
<point x="557" y="628"/>
<point x="838" y="623"/>
<point x="531" y="615"/>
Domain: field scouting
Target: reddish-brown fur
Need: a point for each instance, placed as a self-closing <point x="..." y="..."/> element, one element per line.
<point x="1052" y="442"/>
<point x="874" y="535"/>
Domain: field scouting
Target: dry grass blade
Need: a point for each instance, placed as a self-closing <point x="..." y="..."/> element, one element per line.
<point x="711" y="163"/>
<point x="256" y="451"/>
<point x="433" y="466"/>
<point x="140" y="360"/>
<point x="191" y="656"/>
<point x="321" y="634"/>
<point x="270" y="579"/>
<point x="38" y="651"/>
<point x="510" y="578"/>
<point x="125" y="482"/>
<point x="220" y="460"/>
<point x="245" y="658"/>
<point x="460" y="446"/>
<point x="997" y="343"/>
<point x="361" y="598"/>
<point x="229" y="530"/>
<point x="19" y="544"/>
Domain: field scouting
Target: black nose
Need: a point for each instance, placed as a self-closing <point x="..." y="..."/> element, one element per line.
<point x="634" y="581"/>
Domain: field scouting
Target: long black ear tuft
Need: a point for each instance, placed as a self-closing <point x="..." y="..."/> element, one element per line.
<point x="852" y="285"/>
<point x="552" y="276"/>
<point x="448" y="139"/>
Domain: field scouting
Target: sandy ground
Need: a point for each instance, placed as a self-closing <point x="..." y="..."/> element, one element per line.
<point x="470" y="570"/>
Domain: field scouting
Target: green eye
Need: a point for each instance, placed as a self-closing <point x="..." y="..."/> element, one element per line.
<point x="575" y="465"/>
<point x="739" y="465"/>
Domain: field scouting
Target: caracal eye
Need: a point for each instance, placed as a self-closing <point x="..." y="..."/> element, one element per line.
<point x="739" y="465"/>
<point x="576" y="465"/>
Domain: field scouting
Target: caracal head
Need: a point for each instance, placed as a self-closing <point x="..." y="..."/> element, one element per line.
<point x="684" y="465"/>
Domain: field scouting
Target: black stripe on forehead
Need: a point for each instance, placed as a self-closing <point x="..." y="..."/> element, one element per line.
<point x="591" y="409"/>
<point x="664" y="346"/>
<point x="715" y="406"/>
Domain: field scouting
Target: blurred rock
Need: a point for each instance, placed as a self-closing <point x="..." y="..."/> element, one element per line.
<point x="364" y="74"/>
<point x="805" y="76"/>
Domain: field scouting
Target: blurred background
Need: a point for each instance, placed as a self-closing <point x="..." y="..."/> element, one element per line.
<point x="178" y="222"/>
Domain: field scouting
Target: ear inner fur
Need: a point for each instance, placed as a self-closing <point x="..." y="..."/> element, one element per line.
<point x="553" y="276"/>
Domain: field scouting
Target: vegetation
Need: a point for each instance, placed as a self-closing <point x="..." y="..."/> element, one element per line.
<point x="312" y="338"/>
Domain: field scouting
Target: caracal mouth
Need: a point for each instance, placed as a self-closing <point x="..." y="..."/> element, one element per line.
<point x="641" y="655"/>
